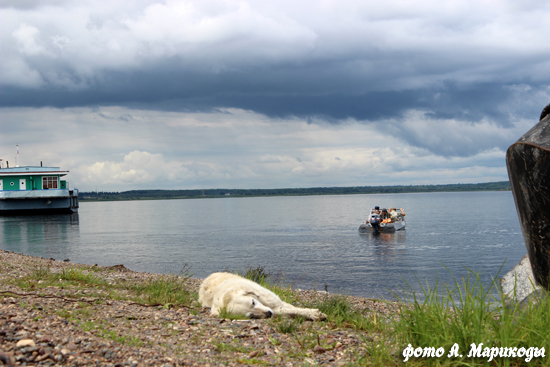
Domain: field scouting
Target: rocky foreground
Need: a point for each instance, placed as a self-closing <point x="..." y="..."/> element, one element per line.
<point x="68" y="323"/>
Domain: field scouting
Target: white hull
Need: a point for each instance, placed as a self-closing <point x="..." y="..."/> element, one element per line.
<point x="385" y="228"/>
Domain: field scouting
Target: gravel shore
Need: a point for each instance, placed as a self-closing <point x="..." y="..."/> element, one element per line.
<point x="64" y="324"/>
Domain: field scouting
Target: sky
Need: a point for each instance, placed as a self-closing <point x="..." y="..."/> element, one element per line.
<point x="149" y="94"/>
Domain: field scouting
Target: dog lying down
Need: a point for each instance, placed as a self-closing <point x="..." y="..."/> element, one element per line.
<point x="243" y="296"/>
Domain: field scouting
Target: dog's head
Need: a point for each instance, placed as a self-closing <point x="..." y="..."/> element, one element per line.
<point x="248" y="303"/>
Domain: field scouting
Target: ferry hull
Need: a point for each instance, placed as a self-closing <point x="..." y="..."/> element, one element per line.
<point x="528" y="163"/>
<point x="38" y="202"/>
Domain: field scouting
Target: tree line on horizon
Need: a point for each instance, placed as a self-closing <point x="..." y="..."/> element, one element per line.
<point x="352" y="190"/>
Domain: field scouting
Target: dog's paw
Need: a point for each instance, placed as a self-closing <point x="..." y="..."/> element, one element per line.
<point x="317" y="315"/>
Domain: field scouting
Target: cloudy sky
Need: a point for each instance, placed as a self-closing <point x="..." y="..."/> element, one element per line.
<point x="270" y="94"/>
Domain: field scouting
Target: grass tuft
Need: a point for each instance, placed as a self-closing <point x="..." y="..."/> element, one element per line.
<point x="224" y="314"/>
<point x="470" y="313"/>
<point x="258" y="275"/>
<point x="169" y="290"/>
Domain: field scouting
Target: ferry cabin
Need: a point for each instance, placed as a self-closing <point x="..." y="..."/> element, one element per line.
<point x="32" y="178"/>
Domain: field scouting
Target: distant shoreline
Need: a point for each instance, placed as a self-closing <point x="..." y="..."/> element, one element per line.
<point x="224" y="193"/>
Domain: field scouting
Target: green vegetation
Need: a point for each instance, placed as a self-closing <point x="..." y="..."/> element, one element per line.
<point x="218" y="193"/>
<point x="224" y="314"/>
<point x="342" y="315"/>
<point x="472" y="327"/>
<point x="165" y="290"/>
<point x="42" y="277"/>
<point x="168" y="290"/>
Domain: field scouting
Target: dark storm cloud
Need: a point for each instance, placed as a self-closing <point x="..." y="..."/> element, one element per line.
<point x="174" y="90"/>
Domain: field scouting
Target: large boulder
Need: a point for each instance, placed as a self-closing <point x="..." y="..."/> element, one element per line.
<point x="528" y="162"/>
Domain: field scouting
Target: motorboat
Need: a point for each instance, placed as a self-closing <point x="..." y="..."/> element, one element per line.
<point x="384" y="220"/>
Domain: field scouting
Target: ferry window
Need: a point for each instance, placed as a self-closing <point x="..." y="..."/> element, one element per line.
<point x="49" y="182"/>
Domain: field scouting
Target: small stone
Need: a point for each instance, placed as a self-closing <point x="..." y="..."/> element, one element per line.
<point x="40" y="358"/>
<point x="45" y="350"/>
<point x="319" y="349"/>
<point x="71" y="347"/>
<point x="253" y="354"/>
<point x="25" y="343"/>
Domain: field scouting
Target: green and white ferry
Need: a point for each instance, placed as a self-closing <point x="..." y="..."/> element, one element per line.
<point x="35" y="190"/>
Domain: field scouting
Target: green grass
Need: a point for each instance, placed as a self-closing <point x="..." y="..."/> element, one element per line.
<point x="42" y="277"/>
<point x="105" y="332"/>
<point x="340" y="313"/>
<point x="287" y="326"/>
<point x="224" y="314"/>
<point x="169" y="290"/>
<point x="468" y="313"/>
<point x="78" y="276"/>
<point x="258" y="275"/>
<point x="232" y="347"/>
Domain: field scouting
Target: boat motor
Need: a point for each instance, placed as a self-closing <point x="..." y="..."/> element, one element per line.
<point x="375" y="223"/>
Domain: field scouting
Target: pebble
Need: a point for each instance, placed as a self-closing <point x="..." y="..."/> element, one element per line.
<point x="25" y="343"/>
<point x="319" y="349"/>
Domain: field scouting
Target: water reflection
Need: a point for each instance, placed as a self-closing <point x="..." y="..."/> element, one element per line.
<point x="387" y="247"/>
<point x="39" y="234"/>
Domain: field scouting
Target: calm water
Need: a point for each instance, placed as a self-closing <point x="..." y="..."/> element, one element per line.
<point x="312" y="241"/>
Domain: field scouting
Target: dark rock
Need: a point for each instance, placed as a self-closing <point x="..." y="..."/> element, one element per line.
<point x="528" y="162"/>
<point x="118" y="267"/>
<point x="545" y="112"/>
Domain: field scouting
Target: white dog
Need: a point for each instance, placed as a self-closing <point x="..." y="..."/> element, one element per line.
<point x="243" y="296"/>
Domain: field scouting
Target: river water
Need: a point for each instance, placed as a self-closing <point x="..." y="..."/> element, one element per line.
<point x="310" y="241"/>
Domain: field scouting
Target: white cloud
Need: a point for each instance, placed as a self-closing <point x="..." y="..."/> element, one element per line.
<point x="27" y="42"/>
<point x="136" y="169"/>
<point x="461" y="41"/>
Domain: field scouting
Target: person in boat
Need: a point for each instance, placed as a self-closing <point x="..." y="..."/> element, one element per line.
<point x="394" y="214"/>
<point x="377" y="210"/>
